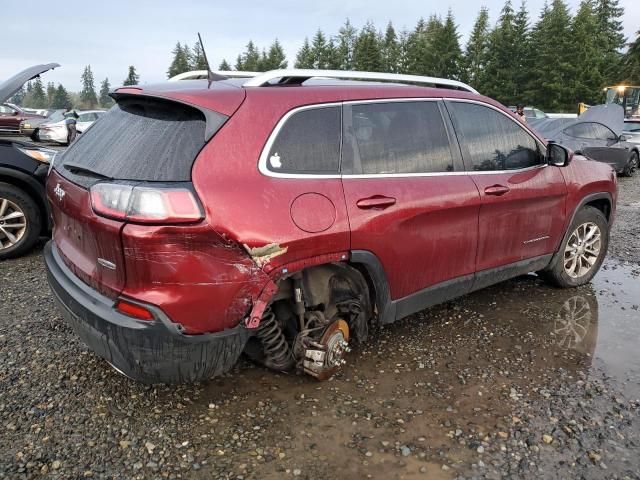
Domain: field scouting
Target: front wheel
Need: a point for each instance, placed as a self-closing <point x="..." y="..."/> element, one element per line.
<point x="582" y="252"/>
<point x="632" y="165"/>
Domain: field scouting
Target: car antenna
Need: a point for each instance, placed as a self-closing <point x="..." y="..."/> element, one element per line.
<point x="211" y="75"/>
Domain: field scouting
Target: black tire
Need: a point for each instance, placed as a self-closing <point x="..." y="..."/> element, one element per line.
<point x="32" y="218"/>
<point x="34" y="136"/>
<point x="557" y="274"/>
<point x="632" y="165"/>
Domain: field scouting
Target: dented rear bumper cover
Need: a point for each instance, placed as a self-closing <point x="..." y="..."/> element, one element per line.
<point x="148" y="351"/>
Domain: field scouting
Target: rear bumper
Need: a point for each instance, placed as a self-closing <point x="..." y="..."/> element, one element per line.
<point x="147" y="351"/>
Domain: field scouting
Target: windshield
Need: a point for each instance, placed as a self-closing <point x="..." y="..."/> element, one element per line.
<point x="56" y="116"/>
<point x="627" y="97"/>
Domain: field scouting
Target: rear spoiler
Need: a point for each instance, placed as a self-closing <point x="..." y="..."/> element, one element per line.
<point x="214" y="120"/>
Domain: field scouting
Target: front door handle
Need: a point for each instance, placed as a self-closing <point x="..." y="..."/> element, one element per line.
<point x="377" y="202"/>
<point x="496" y="190"/>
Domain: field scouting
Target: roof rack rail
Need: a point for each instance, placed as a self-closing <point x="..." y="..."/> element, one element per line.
<point x="203" y="74"/>
<point x="297" y="76"/>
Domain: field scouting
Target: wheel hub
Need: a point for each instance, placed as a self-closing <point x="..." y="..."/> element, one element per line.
<point x="323" y="358"/>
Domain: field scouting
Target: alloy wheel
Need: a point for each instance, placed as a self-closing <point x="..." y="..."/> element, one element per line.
<point x="582" y="250"/>
<point x="13" y="223"/>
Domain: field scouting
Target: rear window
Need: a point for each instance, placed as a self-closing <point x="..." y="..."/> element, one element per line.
<point x="309" y="142"/>
<point x="139" y="139"/>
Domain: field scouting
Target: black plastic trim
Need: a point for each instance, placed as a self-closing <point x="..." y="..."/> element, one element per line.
<point x="36" y="187"/>
<point x="148" y="351"/>
<point x="587" y="199"/>
<point x="392" y="310"/>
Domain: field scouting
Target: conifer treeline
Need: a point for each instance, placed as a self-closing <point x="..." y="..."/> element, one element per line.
<point x="554" y="63"/>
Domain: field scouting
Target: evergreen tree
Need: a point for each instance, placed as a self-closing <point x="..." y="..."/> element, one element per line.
<point x="322" y="52"/>
<point x="224" y="66"/>
<point x="250" y="59"/>
<point x="631" y="66"/>
<point x="105" y="100"/>
<point x="403" y="51"/>
<point x="88" y="97"/>
<point x="18" y="97"/>
<point x="347" y="36"/>
<point x="522" y="62"/>
<point x="61" y="99"/>
<point x="275" y="59"/>
<point x="51" y="92"/>
<point x="587" y="80"/>
<point x="553" y="61"/>
<point x="446" y="51"/>
<point x="475" y="55"/>
<point x="610" y="33"/>
<point x="304" y="57"/>
<point x="367" y="54"/>
<point x="132" y="77"/>
<point x="498" y="79"/>
<point x="36" y="97"/>
<point x="181" y="60"/>
<point x="198" y="61"/>
<point x="416" y="48"/>
<point x="390" y="50"/>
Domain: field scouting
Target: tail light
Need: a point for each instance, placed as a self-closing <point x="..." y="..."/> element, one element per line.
<point x="145" y="204"/>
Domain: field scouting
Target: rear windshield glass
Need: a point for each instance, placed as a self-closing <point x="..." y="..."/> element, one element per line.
<point x="138" y="139"/>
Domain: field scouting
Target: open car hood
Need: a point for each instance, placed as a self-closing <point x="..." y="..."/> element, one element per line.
<point x="609" y="114"/>
<point x="13" y="84"/>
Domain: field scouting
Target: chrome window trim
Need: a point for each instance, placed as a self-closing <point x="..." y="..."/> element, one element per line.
<point x="264" y="169"/>
<point x="509" y="116"/>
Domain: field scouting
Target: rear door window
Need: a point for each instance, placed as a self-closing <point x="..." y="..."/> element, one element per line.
<point x="396" y="138"/>
<point x="140" y="139"/>
<point x="491" y="141"/>
<point x="308" y="142"/>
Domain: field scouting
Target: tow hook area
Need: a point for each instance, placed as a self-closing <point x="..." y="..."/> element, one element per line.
<point x="323" y="358"/>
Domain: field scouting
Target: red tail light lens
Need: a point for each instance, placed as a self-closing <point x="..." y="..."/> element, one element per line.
<point x="145" y="204"/>
<point x="133" y="310"/>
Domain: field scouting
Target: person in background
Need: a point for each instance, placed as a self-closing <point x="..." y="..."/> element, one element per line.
<point x="520" y="113"/>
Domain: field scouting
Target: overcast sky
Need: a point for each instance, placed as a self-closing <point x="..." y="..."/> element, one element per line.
<point x="110" y="35"/>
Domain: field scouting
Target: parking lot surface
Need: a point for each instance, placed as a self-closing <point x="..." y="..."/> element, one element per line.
<point x="519" y="380"/>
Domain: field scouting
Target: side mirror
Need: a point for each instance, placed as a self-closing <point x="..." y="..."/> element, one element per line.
<point x="14" y="113"/>
<point x="622" y="138"/>
<point x="558" y="155"/>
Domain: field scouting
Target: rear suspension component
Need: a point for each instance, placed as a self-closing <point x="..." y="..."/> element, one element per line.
<point x="276" y="349"/>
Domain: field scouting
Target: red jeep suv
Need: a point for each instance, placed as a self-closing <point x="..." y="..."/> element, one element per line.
<point x="284" y="215"/>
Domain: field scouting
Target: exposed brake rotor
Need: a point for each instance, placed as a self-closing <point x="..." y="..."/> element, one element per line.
<point x="323" y="358"/>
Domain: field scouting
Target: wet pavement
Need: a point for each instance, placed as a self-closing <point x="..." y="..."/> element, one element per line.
<point x="520" y="380"/>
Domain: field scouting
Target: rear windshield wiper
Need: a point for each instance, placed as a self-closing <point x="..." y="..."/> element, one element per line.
<point x="73" y="168"/>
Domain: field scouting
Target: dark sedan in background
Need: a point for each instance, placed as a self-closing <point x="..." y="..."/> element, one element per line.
<point x="598" y="134"/>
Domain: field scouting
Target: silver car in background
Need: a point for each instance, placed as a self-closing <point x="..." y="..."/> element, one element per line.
<point x="63" y="127"/>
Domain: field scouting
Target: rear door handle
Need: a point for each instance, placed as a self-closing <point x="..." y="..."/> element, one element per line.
<point x="496" y="190"/>
<point x="377" y="202"/>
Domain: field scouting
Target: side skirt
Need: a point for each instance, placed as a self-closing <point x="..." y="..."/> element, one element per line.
<point x="392" y="310"/>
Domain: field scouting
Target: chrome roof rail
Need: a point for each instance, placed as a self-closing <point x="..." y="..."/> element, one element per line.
<point x="202" y="74"/>
<point x="297" y="76"/>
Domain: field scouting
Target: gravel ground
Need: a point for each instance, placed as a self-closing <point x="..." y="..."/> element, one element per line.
<point x="518" y="380"/>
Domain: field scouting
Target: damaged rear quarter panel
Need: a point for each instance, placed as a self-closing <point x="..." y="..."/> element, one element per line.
<point x="252" y="209"/>
<point x="199" y="279"/>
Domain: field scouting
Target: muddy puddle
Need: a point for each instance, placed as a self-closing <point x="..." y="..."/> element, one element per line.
<point x="457" y="388"/>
